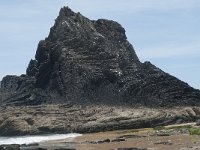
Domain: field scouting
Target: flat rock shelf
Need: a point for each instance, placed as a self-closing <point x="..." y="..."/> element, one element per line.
<point x="45" y="119"/>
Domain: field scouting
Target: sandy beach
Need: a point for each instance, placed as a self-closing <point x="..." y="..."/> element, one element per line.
<point x="172" y="137"/>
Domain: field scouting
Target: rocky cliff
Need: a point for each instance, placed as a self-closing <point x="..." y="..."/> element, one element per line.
<point x="87" y="62"/>
<point x="86" y="77"/>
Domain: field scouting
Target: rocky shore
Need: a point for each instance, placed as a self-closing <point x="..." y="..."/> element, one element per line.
<point x="45" y="119"/>
<point x="176" y="137"/>
<point x="85" y="78"/>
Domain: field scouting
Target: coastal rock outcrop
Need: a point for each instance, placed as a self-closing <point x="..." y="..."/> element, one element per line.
<point x="86" y="62"/>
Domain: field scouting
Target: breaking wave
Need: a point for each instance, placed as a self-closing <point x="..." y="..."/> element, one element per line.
<point x="36" y="138"/>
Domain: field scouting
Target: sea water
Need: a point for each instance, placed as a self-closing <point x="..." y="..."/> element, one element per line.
<point x="36" y="138"/>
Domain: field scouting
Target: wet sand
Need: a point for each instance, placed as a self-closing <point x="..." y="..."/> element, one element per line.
<point x="151" y="141"/>
<point x="146" y="138"/>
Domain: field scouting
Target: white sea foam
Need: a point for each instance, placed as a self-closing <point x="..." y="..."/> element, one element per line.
<point x="36" y="138"/>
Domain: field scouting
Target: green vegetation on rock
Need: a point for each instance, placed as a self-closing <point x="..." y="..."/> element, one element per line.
<point x="194" y="131"/>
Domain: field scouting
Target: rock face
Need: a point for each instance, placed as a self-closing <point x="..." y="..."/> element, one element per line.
<point x="91" y="62"/>
<point x="86" y="77"/>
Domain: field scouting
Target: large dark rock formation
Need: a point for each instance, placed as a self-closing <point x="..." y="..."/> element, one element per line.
<point x="88" y="78"/>
<point x="91" y="62"/>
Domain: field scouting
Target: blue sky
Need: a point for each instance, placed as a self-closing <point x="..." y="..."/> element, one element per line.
<point x="163" y="32"/>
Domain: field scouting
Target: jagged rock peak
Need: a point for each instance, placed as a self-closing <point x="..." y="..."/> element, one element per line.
<point x="77" y="37"/>
<point x="90" y="62"/>
<point x="75" y="24"/>
<point x="66" y="11"/>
